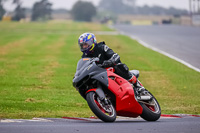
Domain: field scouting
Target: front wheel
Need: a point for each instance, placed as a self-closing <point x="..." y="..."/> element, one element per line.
<point x="151" y="109"/>
<point x="105" y="112"/>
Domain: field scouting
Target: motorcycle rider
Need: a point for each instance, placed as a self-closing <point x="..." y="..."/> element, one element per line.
<point x="107" y="57"/>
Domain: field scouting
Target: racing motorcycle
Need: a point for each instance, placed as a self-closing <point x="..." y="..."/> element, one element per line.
<point x="109" y="95"/>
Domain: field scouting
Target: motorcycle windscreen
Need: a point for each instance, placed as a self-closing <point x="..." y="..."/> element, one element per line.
<point x="82" y="64"/>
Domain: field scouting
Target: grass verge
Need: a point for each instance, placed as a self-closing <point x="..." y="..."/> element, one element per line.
<point x="38" y="62"/>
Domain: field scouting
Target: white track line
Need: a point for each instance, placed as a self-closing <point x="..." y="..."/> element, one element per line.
<point x="164" y="53"/>
<point x="24" y="120"/>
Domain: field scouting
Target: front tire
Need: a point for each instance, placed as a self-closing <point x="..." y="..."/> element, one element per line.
<point x="151" y="109"/>
<point x="104" y="112"/>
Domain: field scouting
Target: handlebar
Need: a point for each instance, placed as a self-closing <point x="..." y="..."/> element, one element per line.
<point x="96" y="60"/>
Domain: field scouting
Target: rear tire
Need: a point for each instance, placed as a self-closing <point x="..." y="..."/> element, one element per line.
<point x="106" y="113"/>
<point x="151" y="113"/>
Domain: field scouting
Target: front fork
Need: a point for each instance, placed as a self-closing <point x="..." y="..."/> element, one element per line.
<point x="100" y="93"/>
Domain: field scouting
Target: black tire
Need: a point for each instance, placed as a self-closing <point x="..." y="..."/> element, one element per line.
<point x="151" y="113"/>
<point x="96" y="107"/>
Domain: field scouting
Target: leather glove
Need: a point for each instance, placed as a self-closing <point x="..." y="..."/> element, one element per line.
<point x="107" y="63"/>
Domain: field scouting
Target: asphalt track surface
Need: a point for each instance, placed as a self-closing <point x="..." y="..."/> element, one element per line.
<point x="182" y="42"/>
<point x="122" y="125"/>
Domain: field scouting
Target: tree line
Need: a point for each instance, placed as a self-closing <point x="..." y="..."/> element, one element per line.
<point x="84" y="11"/>
<point x="41" y="10"/>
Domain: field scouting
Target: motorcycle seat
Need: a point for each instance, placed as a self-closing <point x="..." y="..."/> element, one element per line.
<point x="135" y="72"/>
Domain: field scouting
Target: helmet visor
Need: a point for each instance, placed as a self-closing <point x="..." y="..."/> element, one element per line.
<point x="85" y="45"/>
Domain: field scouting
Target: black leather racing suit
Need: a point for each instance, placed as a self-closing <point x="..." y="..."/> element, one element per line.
<point x="104" y="53"/>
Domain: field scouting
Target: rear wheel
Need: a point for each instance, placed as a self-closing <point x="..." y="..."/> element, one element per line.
<point x="105" y="112"/>
<point x="151" y="109"/>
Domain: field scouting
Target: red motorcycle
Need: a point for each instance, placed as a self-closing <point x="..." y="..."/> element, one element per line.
<point x="109" y="95"/>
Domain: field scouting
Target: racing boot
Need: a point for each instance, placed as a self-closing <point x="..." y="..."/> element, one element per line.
<point x="136" y="83"/>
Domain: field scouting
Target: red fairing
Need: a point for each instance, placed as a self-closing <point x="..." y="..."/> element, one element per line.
<point x="126" y="104"/>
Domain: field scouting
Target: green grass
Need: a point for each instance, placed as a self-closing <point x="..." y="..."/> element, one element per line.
<point x="38" y="62"/>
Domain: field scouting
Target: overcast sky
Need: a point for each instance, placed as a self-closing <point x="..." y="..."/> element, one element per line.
<point x="182" y="4"/>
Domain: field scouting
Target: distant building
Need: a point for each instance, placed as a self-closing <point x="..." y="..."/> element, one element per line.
<point x="7" y="16"/>
<point x="153" y="19"/>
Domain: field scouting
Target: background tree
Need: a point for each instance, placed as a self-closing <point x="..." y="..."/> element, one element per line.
<point x="19" y="12"/>
<point x="2" y="10"/>
<point x="41" y="10"/>
<point x="83" y="11"/>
